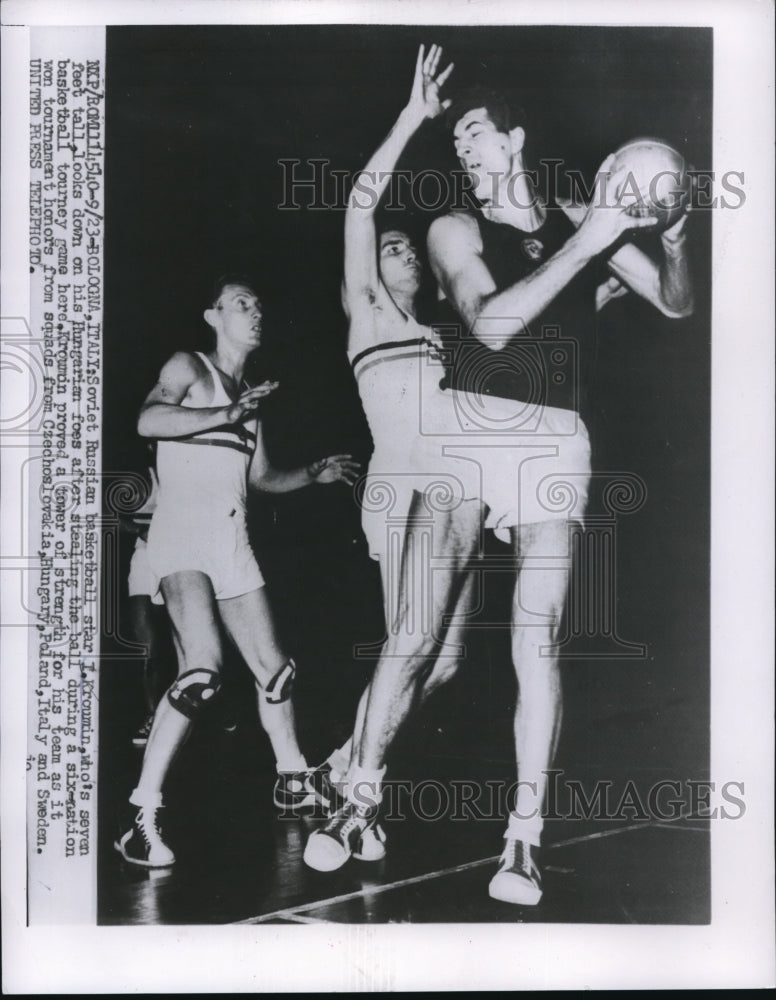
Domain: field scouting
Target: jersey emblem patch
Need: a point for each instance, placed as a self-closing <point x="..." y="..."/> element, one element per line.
<point x="532" y="248"/>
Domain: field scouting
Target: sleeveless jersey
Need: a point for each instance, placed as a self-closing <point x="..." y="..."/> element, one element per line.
<point x="548" y="362"/>
<point x="396" y="378"/>
<point x="206" y="471"/>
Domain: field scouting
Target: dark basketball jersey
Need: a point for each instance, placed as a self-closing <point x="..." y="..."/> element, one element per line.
<point x="548" y="361"/>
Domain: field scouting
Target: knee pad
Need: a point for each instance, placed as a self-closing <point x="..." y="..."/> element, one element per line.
<point x="193" y="691"/>
<point x="279" y="688"/>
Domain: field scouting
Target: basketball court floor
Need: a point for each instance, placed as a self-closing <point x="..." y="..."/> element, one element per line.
<point x="239" y="861"/>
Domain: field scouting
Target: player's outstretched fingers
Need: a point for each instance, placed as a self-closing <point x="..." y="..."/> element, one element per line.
<point x="443" y="76"/>
<point x="257" y="392"/>
<point x="346" y="467"/>
<point x="349" y="472"/>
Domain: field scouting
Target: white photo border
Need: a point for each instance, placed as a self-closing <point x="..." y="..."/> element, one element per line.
<point x="736" y="949"/>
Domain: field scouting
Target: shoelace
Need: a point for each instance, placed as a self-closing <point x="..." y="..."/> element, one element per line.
<point x="517" y="855"/>
<point x="143" y="825"/>
<point x="341" y="826"/>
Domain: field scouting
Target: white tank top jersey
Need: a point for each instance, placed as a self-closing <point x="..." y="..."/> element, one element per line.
<point x="207" y="471"/>
<point x="397" y="381"/>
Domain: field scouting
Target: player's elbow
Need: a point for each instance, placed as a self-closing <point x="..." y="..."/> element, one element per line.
<point x="680" y="310"/>
<point x="263" y="479"/>
<point x="495" y="341"/>
<point x="493" y="332"/>
<point x="145" y="424"/>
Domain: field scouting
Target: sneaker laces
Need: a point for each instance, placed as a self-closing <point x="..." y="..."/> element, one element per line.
<point x="517" y="854"/>
<point x="344" y="822"/>
<point x="144" y="825"/>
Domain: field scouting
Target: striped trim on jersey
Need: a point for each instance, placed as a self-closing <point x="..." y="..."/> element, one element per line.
<point x="390" y="350"/>
<point x="226" y="436"/>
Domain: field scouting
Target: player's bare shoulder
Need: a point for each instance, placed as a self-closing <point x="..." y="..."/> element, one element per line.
<point x="181" y="376"/>
<point x="451" y="235"/>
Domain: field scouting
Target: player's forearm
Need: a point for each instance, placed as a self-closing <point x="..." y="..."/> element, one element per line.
<point x="676" y="291"/>
<point x="371" y="184"/>
<point x="271" y="480"/>
<point x="668" y="287"/>
<point x="168" y="420"/>
<point x="506" y="314"/>
<point x="638" y="271"/>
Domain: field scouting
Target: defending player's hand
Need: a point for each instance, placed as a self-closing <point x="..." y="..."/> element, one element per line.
<point x="248" y="401"/>
<point x="607" y="216"/>
<point x="335" y="469"/>
<point x="424" y="97"/>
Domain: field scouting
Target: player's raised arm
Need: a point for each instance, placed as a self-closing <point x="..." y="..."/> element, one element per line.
<point x="361" y="266"/>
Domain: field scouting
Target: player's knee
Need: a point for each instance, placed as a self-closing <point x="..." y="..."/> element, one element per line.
<point x="409" y="649"/>
<point x="411" y="670"/>
<point x="278" y="688"/>
<point x="194" y="691"/>
<point x="443" y="671"/>
<point x="414" y="665"/>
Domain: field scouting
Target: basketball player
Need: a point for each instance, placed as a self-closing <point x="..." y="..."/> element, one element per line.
<point x="209" y="447"/>
<point x="508" y="272"/>
<point x="398" y="368"/>
<point x="536" y="532"/>
<point x="397" y="365"/>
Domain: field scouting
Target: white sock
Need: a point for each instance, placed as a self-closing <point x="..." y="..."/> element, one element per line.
<point x="291" y="763"/>
<point x="526" y="821"/>
<point x="339" y="761"/>
<point x="364" y="786"/>
<point x="144" y="799"/>
<point x="342" y="783"/>
<point x="528" y="830"/>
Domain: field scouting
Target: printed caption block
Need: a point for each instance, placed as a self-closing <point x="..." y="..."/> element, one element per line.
<point x="62" y="476"/>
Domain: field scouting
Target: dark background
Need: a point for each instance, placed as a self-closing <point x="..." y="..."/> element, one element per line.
<point x="197" y="120"/>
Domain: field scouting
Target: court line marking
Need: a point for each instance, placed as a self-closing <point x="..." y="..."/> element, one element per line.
<point x="368" y="891"/>
<point x="667" y="825"/>
<point x="646" y="825"/>
<point x="291" y="911"/>
<point x="299" y="918"/>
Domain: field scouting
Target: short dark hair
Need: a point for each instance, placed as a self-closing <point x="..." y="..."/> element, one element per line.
<point x="393" y="222"/>
<point x="403" y="230"/>
<point x="224" y="281"/>
<point x="504" y="114"/>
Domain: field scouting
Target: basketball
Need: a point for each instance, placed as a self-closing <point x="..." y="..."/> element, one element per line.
<point x="657" y="182"/>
